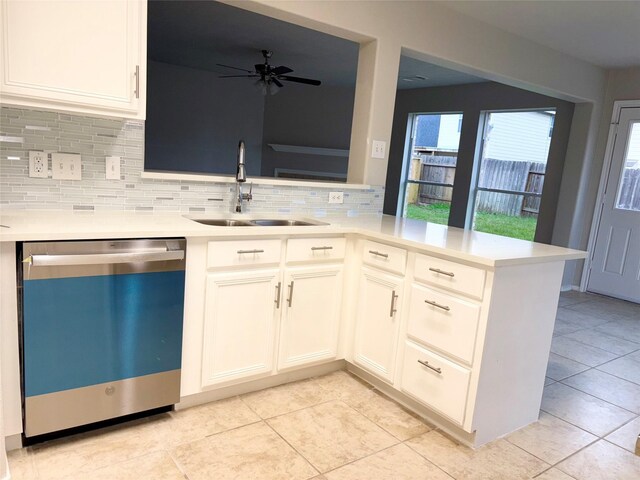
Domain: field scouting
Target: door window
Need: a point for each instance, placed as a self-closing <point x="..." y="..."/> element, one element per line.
<point x="628" y="196"/>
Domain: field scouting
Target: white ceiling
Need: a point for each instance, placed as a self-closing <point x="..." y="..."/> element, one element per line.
<point x="604" y="33"/>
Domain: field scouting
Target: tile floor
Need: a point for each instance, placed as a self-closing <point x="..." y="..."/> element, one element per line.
<point x="336" y="427"/>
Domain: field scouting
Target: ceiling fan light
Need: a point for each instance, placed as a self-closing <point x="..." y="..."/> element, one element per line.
<point x="273" y="88"/>
<point x="261" y="86"/>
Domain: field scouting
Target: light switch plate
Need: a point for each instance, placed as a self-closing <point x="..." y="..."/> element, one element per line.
<point x="378" y="149"/>
<point x="66" y="166"/>
<point x="38" y="164"/>
<point x="113" y="168"/>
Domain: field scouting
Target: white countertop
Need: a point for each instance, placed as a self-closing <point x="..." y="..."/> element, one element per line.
<point x="475" y="247"/>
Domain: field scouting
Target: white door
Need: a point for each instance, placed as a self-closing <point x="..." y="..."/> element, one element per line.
<point x="615" y="267"/>
<point x="311" y="304"/>
<point x="376" y="337"/>
<point x="239" y="326"/>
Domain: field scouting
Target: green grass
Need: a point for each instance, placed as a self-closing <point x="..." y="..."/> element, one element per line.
<point x="496" y="223"/>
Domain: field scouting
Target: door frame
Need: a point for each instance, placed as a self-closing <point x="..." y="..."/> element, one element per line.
<point x="618" y="105"/>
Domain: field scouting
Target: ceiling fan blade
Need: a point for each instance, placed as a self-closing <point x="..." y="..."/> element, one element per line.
<point x="276" y="82"/>
<point x="235" y="68"/>
<point x="238" y="76"/>
<point x="306" y="81"/>
<point x="281" y="70"/>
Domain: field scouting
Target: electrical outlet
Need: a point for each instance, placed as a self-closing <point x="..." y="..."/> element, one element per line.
<point x="336" y="197"/>
<point x="66" y="166"/>
<point x="38" y="165"/>
<point x="113" y="168"/>
<point x="378" y="149"/>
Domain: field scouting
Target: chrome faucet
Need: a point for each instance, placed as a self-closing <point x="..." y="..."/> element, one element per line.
<point x="241" y="177"/>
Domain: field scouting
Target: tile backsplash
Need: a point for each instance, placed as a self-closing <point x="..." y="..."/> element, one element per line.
<point x="22" y="130"/>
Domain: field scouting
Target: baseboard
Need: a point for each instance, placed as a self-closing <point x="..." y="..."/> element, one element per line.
<point x="13" y="442"/>
<point x="259" y="384"/>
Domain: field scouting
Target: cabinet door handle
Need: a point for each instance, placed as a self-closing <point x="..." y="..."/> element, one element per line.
<point x="240" y="252"/>
<point x="393" y="308"/>
<point x="426" y="364"/>
<point x="378" y="254"/>
<point x="290" y="299"/>
<point x="137" y="74"/>
<point x="321" y="248"/>
<point x="436" y="304"/>
<point x="442" y="272"/>
<point x="277" y="300"/>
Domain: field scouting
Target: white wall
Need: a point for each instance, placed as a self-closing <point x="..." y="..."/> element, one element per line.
<point x="434" y="33"/>
<point x="431" y="32"/>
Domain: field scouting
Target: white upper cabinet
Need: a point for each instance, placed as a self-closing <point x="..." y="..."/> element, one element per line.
<point x="82" y="56"/>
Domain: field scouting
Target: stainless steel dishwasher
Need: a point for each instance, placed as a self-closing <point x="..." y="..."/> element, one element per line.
<point x="101" y="330"/>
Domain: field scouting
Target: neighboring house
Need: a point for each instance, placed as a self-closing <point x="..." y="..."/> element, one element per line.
<point x="514" y="136"/>
<point x="519" y="136"/>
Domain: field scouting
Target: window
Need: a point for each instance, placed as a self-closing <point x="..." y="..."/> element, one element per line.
<point x="628" y="197"/>
<point x="511" y="172"/>
<point x="430" y="166"/>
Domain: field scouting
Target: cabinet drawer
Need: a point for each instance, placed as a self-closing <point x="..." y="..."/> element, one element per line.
<point x="450" y="275"/>
<point x="315" y="249"/>
<point x="438" y="383"/>
<point x="383" y="256"/>
<point x="243" y="252"/>
<point x="444" y="322"/>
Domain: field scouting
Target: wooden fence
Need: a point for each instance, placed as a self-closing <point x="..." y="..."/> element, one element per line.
<point x="494" y="174"/>
<point x="629" y="197"/>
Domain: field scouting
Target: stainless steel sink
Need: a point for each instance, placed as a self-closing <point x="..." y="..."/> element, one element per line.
<point x="257" y="222"/>
<point x="273" y="222"/>
<point x="223" y="222"/>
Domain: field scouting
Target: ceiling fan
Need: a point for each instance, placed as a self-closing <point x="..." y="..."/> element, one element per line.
<point x="269" y="78"/>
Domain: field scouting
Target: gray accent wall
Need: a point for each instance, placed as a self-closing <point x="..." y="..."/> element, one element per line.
<point x="195" y="121"/>
<point x="307" y="116"/>
<point x="472" y="100"/>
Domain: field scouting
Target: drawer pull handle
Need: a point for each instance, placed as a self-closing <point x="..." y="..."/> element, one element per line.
<point x="321" y="248"/>
<point x="436" y="304"/>
<point x="393" y="308"/>
<point x="277" y="300"/>
<point x="442" y="272"/>
<point x="426" y="364"/>
<point x="290" y="299"/>
<point x="240" y="252"/>
<point x="378" y="254"/>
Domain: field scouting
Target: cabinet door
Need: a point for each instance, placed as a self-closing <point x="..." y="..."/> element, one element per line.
<point x="376" y="337"/>
<point x="239" y="326"/>
<point x="87" y="56"/>
<point x="311" y="302"/>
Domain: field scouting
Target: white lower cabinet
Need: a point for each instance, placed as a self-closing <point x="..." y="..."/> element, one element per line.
<point x="435" y="381"/>
<point x="377" y="323"/>
<point x="260" y="316"/>
<point x="239" y="325"/>
<point x="311" y="306"/>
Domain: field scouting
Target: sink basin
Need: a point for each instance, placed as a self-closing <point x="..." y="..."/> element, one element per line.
<point x="223" y="222"/>
<point x="256" y="222"/>
<point x="272" y="222"/>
